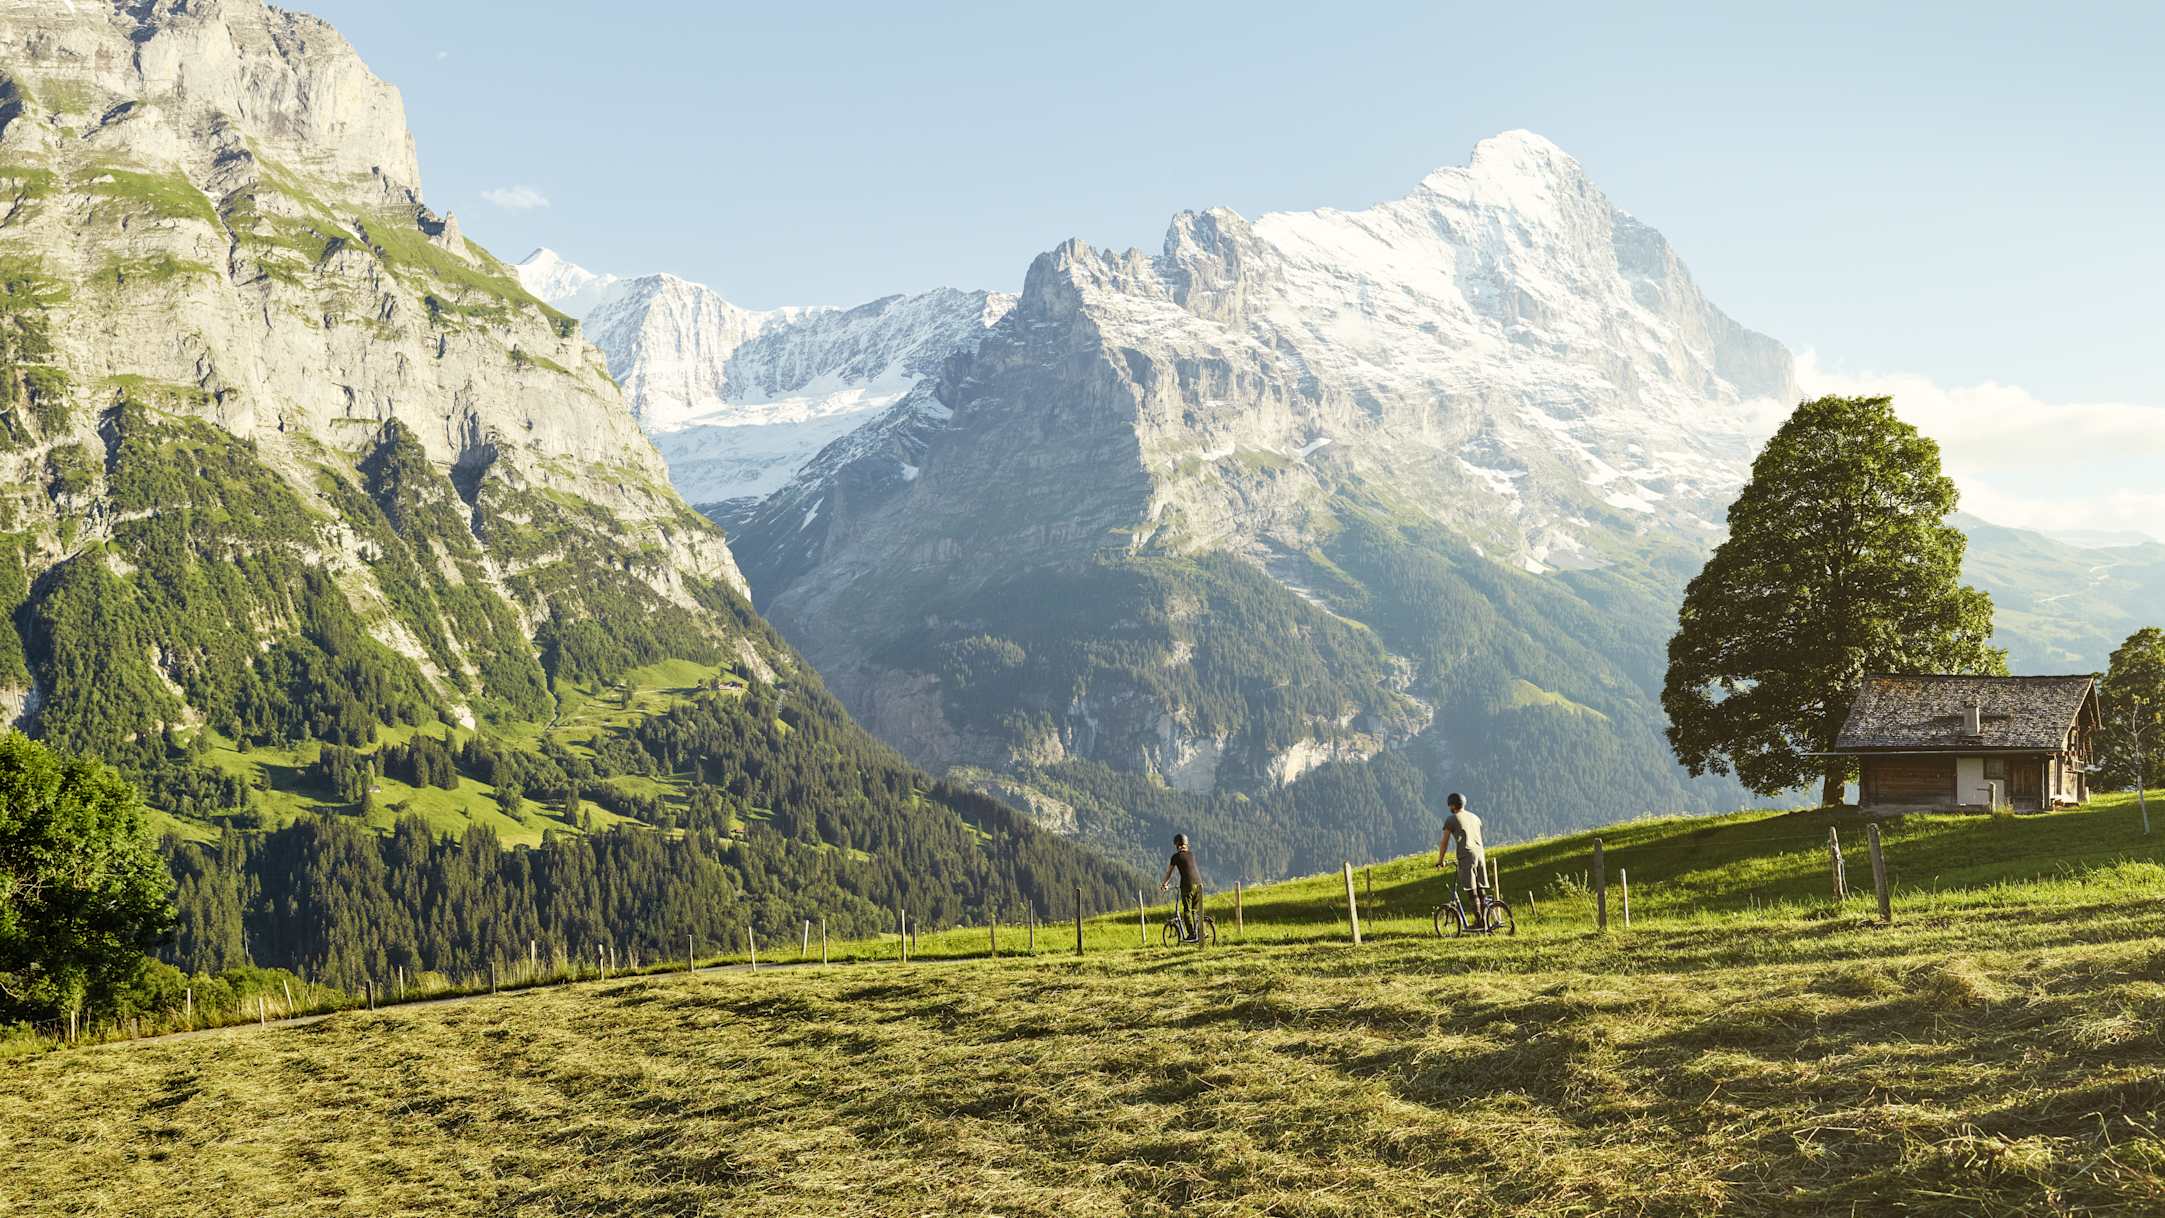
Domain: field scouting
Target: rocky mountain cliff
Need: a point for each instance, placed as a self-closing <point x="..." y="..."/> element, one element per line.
<point x="261" y="403"/>
<point x="1300" y="520"/>
<point x="308" y="506"/>
<point x="739" y="399"/>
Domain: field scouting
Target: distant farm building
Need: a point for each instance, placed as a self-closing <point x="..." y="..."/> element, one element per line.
<point x="1939" y="743"/>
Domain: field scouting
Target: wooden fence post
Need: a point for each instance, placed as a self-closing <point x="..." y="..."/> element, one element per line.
<point x="188" y="1005"/>
<point x="370" y="985"/>
<point x="533" y="960"/>
<point x="263" y="1011"/>
<point x="1078" y="920"/>
<point x="1879" y="876"/>
<point x="823" y="940"/>
<point x="992" y="931"/>
<point x="1623" y="883"/>
<point x="1495" y="884"/>
<point x="1239" y="925"/>
<point x="804" y="949"/>
<point x="287" y="986"/>
<point x="1601" y="888"/>
<point x="1368" y="883"/>
<point x="751" y="948"/>
<point x="1033" y="930"/>
<point x="1142" y="920"/>
<point x="1834" y="865"/>
<point x="1531" y="908"/>
<point x="1353" y="907"/>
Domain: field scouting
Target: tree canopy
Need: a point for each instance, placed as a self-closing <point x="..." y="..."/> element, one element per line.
<point x="82" y="887"/>
<point x="2132" y="699"/>
<point x="1839" y="563"/>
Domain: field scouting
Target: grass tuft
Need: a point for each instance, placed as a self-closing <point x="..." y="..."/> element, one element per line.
<point x="1953" y="984"/>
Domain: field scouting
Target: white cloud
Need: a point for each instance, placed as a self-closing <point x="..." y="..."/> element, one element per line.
<point x="442" y="55"/>
<point x="516" y="198"/>
<point x="2024" y="461"/>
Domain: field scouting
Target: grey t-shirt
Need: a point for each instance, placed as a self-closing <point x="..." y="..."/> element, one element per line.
<point x="1464" y="828"/>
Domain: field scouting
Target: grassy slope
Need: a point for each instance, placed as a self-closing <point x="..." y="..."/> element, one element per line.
<point x="1744" y="1048"/>
<point x="287" y="787"/>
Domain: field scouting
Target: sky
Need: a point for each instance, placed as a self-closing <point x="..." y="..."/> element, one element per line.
<point x="1959" y="200"/>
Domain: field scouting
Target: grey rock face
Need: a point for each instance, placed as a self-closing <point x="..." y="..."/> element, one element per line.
<point x="1502" y="356"/>
<point x="229" y="204"/>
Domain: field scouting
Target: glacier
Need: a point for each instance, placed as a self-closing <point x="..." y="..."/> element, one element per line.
<point x="739" y="400"/>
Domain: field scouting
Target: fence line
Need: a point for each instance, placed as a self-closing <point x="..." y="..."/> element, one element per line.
<point x="433" y="986"/>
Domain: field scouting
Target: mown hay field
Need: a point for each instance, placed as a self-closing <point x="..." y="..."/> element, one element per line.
<point x="1996" y="1051"/>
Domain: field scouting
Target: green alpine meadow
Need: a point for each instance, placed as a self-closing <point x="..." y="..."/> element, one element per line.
<point x="1746" y="1045"/>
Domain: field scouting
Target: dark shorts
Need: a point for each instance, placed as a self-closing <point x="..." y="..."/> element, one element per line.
<point x="1470" y="871"/>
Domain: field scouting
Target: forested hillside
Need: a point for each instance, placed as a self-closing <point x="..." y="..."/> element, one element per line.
<point x="319" y="527"/>
<point x="788" y="813"/>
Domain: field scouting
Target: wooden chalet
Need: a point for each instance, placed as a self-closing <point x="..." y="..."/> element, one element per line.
<point x="1945" y="743"/>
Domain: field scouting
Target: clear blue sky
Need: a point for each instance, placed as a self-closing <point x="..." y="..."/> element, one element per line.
<point x="1967" y="192"/>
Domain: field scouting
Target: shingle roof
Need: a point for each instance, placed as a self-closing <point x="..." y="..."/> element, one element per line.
<point x="1930" y="712"/>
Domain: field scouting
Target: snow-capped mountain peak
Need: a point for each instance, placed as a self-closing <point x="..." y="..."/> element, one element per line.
<point x="1518" y="169"/>
<point x="563" y="284"/>
<point x="739" y="399"/>
<point x="1501" y="349"/>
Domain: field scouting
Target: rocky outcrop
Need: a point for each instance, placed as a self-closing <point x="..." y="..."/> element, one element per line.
<point x="210" y="211"/>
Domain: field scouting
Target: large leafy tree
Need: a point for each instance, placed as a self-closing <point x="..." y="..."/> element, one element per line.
<point x="82" y="888"/>
<point x="2132" y="698"/>
<point x="1839" y="563"/>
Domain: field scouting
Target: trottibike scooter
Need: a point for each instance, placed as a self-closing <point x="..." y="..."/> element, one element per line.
<point x="1177" y="930"/>
<point x="1495" y="916"/>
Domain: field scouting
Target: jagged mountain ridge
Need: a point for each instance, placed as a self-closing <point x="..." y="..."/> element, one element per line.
<point x="738" y="399"/>
<point x="1311" y="420"/>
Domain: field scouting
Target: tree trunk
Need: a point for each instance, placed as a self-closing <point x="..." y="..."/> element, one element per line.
<point x="1834" y="712"/>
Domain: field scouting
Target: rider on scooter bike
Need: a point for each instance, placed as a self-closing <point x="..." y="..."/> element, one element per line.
<point x="1463" y="827"/>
